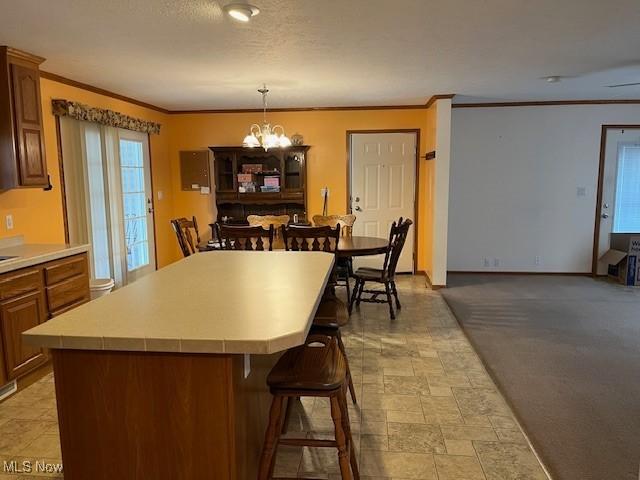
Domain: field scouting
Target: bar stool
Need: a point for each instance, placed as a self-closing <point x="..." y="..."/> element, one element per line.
<point x="315" y="369"/>
<point x="332" y="312"/>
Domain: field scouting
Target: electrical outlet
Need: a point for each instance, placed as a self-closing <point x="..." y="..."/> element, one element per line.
<point x="538" y="260"/>
<point x="487" y="263"/>
<point x="9" y="222"/>
<point x="496" y="262"/>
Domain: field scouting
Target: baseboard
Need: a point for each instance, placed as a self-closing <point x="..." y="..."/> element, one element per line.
<point x="430" y="284"/>
<point x="496" y="272"/>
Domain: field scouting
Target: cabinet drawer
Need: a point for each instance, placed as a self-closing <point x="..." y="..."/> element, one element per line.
<point x="60" y="270"/>
<point x="73" y="291"/>
<point x="19" y="283"/>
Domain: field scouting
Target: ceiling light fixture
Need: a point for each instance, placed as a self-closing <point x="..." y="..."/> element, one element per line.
<point x="553" y="79"/>
<point x="241" y="11"/>
<point x="265" y="135"/>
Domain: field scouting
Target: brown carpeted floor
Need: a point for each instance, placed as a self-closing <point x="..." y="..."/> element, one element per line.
<point x="565" y="351"/>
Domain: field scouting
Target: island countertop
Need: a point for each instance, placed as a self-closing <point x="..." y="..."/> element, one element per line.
<point x="215" y="302"/>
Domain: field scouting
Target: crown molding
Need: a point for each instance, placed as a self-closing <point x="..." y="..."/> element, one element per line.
<point x="548" y="103"/>
<point x="100" y="91"/>
<point x="435" y="98"/>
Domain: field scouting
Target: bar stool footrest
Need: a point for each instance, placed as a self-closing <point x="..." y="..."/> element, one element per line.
<point x="307" y="442"/>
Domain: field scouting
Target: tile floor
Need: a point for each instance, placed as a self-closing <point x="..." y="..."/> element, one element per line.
<point x="426" y="408"/>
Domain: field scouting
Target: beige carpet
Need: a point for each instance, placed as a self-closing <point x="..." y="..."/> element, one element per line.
<point x="565" y="351"/>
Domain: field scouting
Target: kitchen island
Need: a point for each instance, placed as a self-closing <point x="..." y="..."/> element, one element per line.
<point x="165" y="378"/>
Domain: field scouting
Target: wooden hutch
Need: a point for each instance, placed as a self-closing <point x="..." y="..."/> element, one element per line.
<point x="288" y="164"/>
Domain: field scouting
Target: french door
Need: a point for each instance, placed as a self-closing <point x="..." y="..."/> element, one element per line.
<point x="383" y="180"/>
<point x="137" y="205"/>
<point x="107" y="185"/>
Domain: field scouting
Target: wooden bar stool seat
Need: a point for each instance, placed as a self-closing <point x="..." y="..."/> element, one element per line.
<point x="315" y="369"/>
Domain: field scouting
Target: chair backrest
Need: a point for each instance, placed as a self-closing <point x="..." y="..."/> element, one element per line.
<point x="186" y="230"/>
<point x="397" y="237"/>
<point x="276" y="221"/>
<point x="345" y="221"/>
<point x="244" y="238"/>
<point x="311" y="239"/>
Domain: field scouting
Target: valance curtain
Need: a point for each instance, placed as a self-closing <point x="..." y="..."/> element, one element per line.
<point x="103" y="116"/>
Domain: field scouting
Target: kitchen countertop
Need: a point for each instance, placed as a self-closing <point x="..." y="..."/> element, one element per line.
<point x="28" y="254"/>
<point x="214" y="302"/>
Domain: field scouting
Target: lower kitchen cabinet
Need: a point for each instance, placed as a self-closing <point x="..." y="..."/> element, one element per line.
<point x="17" y="316"/>
<point x="29" y="297"/>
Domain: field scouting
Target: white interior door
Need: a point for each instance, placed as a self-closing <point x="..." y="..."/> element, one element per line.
<point x="383" y="179"/>
<point x="620" y="208"/>
<point x="137" y="205"/>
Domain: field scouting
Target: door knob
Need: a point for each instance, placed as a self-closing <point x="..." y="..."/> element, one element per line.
<point x="605" y="215"/>
<point x="358" y="209"/>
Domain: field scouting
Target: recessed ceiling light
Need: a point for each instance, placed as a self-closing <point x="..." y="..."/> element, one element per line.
<point x="553" y="79"/>
<point x="241" y="11"/>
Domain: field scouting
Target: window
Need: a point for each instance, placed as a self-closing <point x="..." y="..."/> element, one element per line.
<point x="134" y="204"/>
<point x="627" y="203"/>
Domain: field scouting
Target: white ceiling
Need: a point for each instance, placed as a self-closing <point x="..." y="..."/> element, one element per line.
<point x="185" y="54"/>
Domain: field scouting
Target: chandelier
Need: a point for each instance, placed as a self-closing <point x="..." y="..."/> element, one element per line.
<point x="265" y="135"/>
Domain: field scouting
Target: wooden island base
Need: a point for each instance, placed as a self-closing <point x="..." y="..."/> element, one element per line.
<point x="173" y="416"/>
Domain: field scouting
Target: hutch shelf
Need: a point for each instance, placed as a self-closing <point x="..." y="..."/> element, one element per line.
<point x="288" y="165"/>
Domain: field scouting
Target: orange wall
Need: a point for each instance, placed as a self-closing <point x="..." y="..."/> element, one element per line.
<point x="325" y="131"/>
<point x="38" y="214"/>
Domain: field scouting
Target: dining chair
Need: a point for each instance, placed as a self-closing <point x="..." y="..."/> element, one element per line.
<point x="345" y="221"/>
<point x="386" y="275"/>
<point x="344" y="265"/>
<point x="299" y="238"/>
<point x="265" y="221"/>
<point x="185" y="231"/>
<point x="244" y="238"/>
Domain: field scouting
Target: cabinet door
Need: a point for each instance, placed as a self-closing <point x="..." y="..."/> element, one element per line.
<point x="225" y="172"/>
<point x="17" y="316"/>
<point x="28" y="124"/>
<point x="294" y="167"/>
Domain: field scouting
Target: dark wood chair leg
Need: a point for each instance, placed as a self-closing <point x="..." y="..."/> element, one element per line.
<point x="352" y="390"/>
<point x="394" y="289"/>
<point x="348" y="288"/>
<point x="271" y="438"/>
<point x="287" y="414"/>
<point x="360" y="293"/>
<point x="354" y="294"/>
<point x="341" y="438"/>
<point x="347" y="428"/>
<point x="387" y="288"/>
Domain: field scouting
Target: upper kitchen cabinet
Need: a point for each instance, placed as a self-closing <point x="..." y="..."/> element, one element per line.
<point x="22" y="150"/>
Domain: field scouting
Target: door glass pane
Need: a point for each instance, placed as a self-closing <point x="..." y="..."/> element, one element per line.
<point x="134" y="200"/>
<point x="626" y="217"/>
